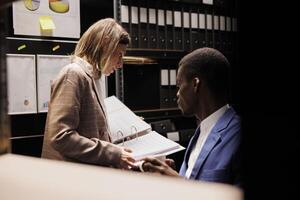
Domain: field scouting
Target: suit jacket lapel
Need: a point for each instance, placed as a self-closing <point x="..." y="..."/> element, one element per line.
<point x="98" y="97"/>
<point x="213" y="138"/>
<point x="211" y="141"/>
<point x="89" y="71"/>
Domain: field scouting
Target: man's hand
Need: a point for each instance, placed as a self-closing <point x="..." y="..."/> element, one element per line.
<point x="171" y="163"/>
<point x="156" y="166"/>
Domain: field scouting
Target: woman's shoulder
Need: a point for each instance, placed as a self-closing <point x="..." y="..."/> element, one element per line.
<point x="73" y="68"/>
<point x="73" y="73"/>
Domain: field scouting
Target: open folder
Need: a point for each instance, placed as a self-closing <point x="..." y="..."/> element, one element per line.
<point x="129" y="130"/>
<point x="151" y="144"/>
<point x="123" y="123"/>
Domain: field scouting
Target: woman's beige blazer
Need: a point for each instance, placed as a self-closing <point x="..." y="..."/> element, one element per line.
<point x="76" y="127"/>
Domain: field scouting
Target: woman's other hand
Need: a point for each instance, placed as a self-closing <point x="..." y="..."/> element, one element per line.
<point x="126" y="161"/>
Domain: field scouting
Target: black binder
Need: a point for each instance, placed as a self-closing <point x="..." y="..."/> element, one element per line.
<point x="178" y="28"/>
<point x="162" y="32"/>
<point x="133" y="27"/>
<point x="170" y="28"/>
<point x="136" y="79"/>
<point x="164" y="97"/>
<point x="143" y="36"/>
<point x="161" y="28"/>
<point x="164" y="88"/>
<point x="152" y="36"/>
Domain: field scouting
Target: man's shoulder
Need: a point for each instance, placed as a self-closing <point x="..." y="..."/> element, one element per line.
<point x="229" y="124"/>
<point x="228" y="119"/>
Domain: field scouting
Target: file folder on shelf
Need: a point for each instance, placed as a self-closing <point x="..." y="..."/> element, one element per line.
<point x="164" y="97"/>
<point x="48" y="67"/>
<point x="21" y="84"/>
<point x="133" y="26"/>
<point x="153" y="30"/>
<point x="168" y="90"/>
<point x="187" y="29"/>
<point x="162" y="37"/>
<point x="164" y="88"/>
<point x="170" y="29"/>
<point x="178" y="29"/>
<point x="196" y="39"/>
<point x="172" y="89"/>
<point x="143" y="37"/>
<point x="162" y="29"/>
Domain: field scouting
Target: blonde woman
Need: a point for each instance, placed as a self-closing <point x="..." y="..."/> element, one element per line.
<point x="76" y="127"/>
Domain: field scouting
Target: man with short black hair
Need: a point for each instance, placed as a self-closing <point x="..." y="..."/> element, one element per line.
<point x="213" y="153"/>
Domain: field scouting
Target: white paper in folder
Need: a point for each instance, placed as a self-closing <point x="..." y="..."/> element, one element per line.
<point x="152" y="144"/>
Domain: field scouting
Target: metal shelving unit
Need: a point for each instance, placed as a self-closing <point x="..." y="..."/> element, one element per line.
<point x="137" y="85"/>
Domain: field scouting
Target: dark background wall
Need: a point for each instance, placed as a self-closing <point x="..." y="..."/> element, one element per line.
<point x="270" y="104"/>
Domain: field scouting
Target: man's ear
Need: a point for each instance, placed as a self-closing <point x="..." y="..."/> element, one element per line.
<point x="196" y="83"/>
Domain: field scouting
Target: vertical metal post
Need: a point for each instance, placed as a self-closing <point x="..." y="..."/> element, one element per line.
<point x="4" y="118"/>
<point x="119" y="73"/>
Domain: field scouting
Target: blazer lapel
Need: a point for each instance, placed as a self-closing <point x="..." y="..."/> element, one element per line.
<point x="98" y="97"/>
<point x="89" y="71"/>
<point x="213" y="138"/>
<point x="211" y="141"/>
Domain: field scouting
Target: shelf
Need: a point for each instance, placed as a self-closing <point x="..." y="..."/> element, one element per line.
<point x="20" y="45"/>
<point x="27" y="137"/>
<point x="40" y="39"/>
<point x="164" y="113"/>
<point x="155" y="53"/>
<point x="157" y="110"/>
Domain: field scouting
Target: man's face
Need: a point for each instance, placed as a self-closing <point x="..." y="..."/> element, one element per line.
<point x="186" y="93"/>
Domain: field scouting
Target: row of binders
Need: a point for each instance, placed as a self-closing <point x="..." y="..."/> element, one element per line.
<point x="168" y="88"/>
<point x="175" y="27"/>
<point x="190" y="19"/>
<point x="29" y="78"/>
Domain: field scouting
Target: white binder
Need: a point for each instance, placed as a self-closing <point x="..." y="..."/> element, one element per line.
<point x="48" y="67"/>
<point x="21" y="84"/>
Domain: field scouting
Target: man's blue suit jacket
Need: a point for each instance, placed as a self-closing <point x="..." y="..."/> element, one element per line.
<point x="219" y="159"/>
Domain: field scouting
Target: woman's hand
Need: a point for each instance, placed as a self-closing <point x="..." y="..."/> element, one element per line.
<point x="126" y="161"/>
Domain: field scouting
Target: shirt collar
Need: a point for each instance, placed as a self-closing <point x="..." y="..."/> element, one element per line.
<point x="212" y="119"/>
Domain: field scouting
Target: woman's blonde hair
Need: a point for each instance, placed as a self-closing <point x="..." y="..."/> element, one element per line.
<point x="100" y="41"/>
